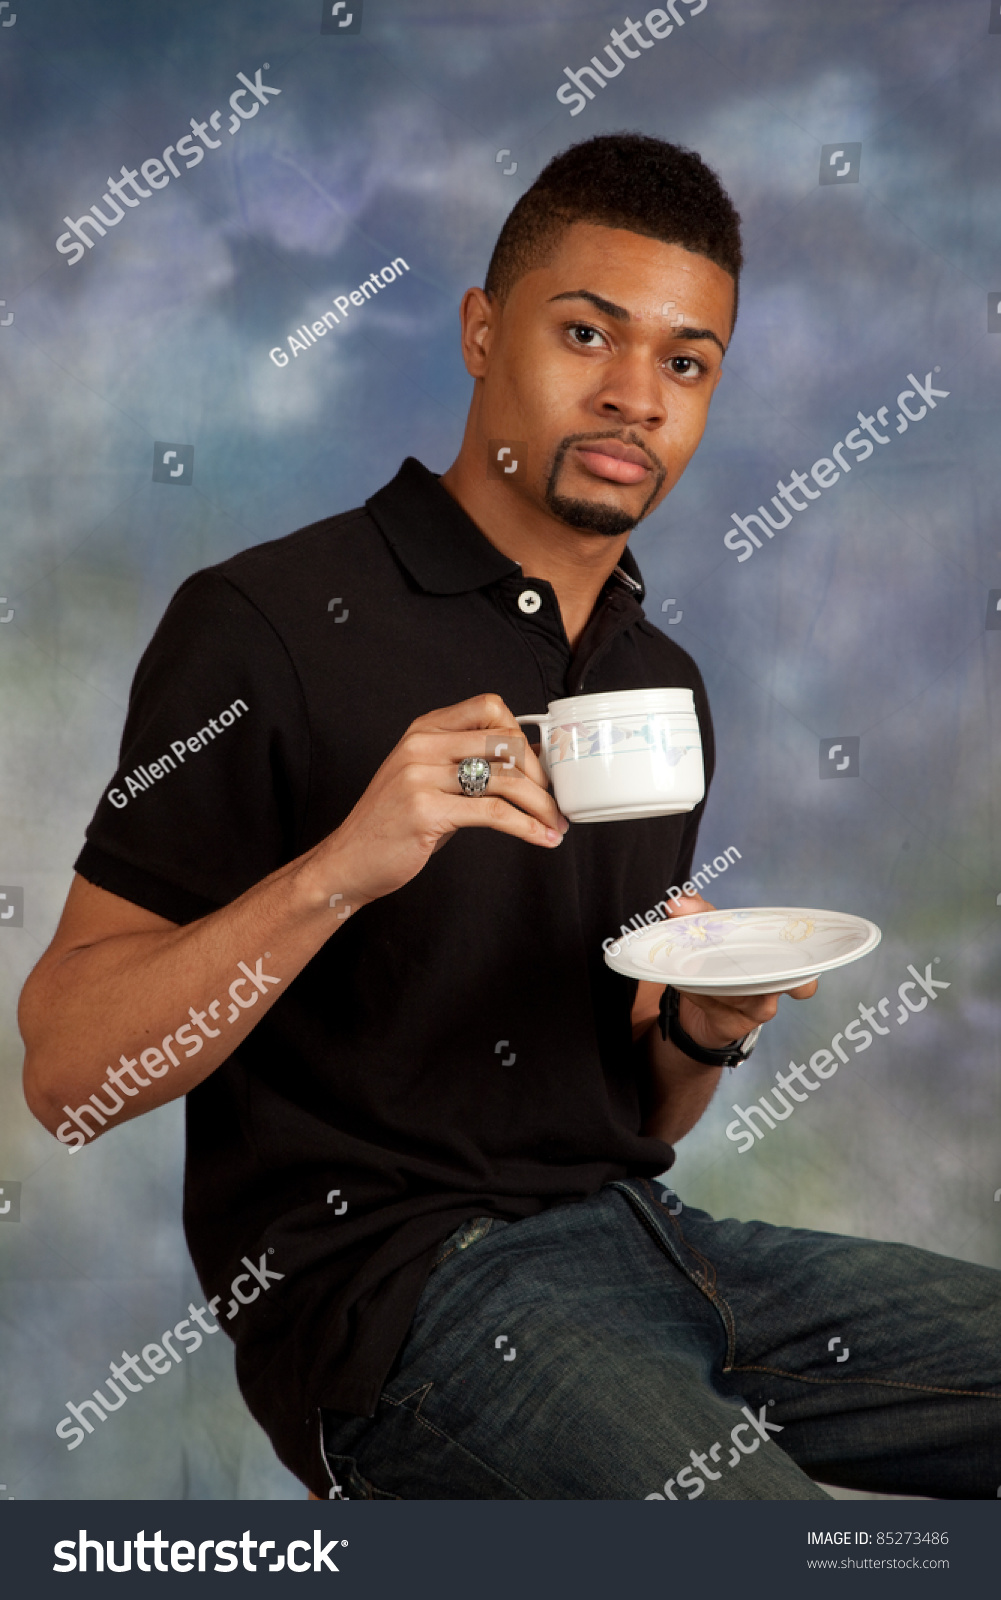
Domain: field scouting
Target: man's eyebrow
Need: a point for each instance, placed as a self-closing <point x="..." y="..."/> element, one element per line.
<point x="698" y="333"/>
<point x="622" y="315"/>
<point x="607" y="306"/>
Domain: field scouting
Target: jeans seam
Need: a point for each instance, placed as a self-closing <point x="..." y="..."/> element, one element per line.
<point x="439" y="1433"/>
<point x="401" y="1400"/>
<point x="708" y="1288"/>
<point x="891" y="1383"/>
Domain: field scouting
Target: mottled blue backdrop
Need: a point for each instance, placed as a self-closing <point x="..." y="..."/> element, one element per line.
<point x="411" y="134"/>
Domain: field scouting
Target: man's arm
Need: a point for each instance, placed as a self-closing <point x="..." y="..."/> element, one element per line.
<point x="680" y="1088"/>
<point x="118" y="979"/>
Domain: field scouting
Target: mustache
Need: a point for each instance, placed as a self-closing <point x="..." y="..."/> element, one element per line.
<point x="624" y="436"/>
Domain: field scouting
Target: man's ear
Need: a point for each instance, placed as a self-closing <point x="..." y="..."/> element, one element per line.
<point x="479" y="317"/>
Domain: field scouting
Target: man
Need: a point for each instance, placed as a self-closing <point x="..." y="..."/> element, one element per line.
<point x="423" y="1116"/>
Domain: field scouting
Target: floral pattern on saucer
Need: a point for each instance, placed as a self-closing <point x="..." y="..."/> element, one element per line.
<point x="688" y="934"/>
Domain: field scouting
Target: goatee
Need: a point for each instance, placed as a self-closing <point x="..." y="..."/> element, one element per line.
<point x="590" y="515"/>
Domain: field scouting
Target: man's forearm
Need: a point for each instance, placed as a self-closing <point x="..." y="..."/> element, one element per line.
<point x="96" y="1006"/>
<point x="680" y="1088"/>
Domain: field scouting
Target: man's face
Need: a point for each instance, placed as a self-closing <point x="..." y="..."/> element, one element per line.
<point x="604" y="363"/>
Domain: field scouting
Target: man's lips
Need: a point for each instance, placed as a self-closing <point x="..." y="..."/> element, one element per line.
<point x="615" y="462"/>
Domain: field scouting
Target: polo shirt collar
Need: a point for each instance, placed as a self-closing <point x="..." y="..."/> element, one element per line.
<point x="440" y="545"/>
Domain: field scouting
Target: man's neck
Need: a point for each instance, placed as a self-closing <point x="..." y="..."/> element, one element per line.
<point x="576" y="563"/>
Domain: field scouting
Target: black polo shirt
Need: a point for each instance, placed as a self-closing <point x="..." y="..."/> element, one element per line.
<point x="458" y="1047"/>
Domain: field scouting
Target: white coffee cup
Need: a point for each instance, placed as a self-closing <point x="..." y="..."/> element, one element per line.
<point x="634" y="753"/>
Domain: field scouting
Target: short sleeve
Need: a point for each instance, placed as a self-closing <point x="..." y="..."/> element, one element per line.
<point x="211" y="784"/>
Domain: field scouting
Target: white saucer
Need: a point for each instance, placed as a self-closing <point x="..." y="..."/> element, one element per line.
<point x="754" y="950"/>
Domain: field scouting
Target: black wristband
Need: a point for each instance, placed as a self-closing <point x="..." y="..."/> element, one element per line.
<point x="731" y="1055"/>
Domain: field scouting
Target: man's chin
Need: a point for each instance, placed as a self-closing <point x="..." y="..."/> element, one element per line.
<point x="591" y="516"/>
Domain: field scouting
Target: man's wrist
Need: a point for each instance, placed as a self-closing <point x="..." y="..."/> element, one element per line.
<point x="322" y="883"/>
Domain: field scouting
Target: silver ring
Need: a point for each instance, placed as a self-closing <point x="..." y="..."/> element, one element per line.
<point x="474" y="775"/>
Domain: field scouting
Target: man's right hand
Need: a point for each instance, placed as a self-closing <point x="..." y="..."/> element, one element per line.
<point x="414" y="802"/>
<point x="117" y="978"/>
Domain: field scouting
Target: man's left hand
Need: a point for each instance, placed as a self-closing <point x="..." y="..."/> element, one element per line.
<point x="716" y="1021"/>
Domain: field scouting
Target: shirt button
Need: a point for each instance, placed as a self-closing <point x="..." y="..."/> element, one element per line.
<point x="529" y="601"/>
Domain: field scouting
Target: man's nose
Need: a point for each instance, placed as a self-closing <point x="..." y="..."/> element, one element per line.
<point x="632" y="393"/>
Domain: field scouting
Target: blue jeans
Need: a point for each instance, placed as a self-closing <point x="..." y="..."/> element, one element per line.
<point x="622" y="1347"/>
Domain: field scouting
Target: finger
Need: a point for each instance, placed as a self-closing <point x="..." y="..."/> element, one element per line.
<point x="509" y="755"/>
<point x="687" y="905"/>
<point x="493" y="811"/>
<point x="806" y="990"/>
<point x="481" y="711"/>
<point x="514" y="789"/>
<point x="736" y="1013"/>
<point x="519" y="789"/>
<point x="486" y="713"/>
<point x="506" y="749"/>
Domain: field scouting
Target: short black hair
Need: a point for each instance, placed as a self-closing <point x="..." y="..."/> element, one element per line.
<point x="620" y="180"/>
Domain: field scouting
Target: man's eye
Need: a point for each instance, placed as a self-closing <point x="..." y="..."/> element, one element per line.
<point x="685" y="366"/>
<point x="582" y="333"/>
